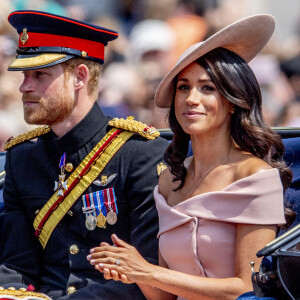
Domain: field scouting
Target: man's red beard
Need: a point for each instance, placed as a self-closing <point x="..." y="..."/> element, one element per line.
<point x="50" y="111"/>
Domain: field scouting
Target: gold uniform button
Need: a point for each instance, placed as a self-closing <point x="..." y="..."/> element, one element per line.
<point x="71" y="290"/>
<point x="74" y="249"/>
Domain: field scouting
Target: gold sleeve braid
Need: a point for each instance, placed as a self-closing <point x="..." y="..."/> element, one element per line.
<point x="21" y="294"/>
<point x="26" y="136"/>
<point x="129" y="124"/>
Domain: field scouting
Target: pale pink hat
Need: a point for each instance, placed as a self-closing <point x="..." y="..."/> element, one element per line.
<point x="246" y="37"/>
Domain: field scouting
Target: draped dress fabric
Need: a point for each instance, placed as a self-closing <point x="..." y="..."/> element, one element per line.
<point x="198" y="235"/>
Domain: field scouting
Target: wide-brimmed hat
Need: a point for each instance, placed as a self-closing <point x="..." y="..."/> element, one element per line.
<point x="246" y="37"/>
<point x="46" y="39"/>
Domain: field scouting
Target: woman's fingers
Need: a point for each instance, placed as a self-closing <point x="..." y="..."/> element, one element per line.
<point x="106" y="273"/>
<point x="118" y="242"/>
<point x="108" y="248"/>
<point x="104" y="248"/>
<point x="112" y="274"/>
<point x="102" y="244"/>
<point x="109" y="261"/>
<point x="99" y="269"/>
<point x="124" y="278"/>
<point x="115" y="275"/>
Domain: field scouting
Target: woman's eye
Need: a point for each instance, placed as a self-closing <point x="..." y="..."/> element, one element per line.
<point x="208" y="88"/>
<point x="182" y="87"/>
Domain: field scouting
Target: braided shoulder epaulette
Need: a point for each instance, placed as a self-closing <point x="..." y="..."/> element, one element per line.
<point x="11" y="142"/>
<point x="149" y="132"/>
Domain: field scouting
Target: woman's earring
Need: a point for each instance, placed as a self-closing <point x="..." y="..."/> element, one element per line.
<point x="232" y="111"/>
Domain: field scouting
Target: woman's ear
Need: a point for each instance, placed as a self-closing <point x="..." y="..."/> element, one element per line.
<point x="232" y="109"/>
<point x="81" y="76"/>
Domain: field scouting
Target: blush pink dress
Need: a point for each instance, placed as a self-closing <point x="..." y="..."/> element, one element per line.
<point x="198" y="236"/>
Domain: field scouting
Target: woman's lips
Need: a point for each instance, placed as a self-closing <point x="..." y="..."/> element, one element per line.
<point x="193" y="114"/>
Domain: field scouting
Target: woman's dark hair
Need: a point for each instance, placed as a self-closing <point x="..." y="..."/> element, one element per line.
<point x="237" y="83"/>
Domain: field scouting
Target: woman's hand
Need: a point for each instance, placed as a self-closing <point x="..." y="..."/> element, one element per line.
<point x="109" y="274"/>
<point x="121" y="262"/>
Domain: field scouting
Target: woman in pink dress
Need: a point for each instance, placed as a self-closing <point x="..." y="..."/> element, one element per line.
<point x="220" y="206"/>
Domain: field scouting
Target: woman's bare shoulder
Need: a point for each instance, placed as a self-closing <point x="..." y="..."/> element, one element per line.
<point x="251" y="165"/>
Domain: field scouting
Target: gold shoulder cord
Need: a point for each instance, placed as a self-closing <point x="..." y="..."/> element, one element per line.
<point x="26" y="137"/>
<point x="149" y="132"/>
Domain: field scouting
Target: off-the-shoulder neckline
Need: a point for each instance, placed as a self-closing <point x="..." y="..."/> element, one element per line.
<point x="247" y="178"/>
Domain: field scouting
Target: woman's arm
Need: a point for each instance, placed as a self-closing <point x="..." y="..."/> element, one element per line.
<point x="133" y="268"/>
<point x="154" y="293"/>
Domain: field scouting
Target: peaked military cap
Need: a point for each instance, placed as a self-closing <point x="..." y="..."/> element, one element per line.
<point x="46" y="39"/>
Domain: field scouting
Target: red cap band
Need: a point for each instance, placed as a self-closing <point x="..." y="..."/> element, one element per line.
<point x="93" y="49"/>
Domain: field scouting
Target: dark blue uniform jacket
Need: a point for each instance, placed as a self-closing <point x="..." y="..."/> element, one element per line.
<point x="31" y="170"/>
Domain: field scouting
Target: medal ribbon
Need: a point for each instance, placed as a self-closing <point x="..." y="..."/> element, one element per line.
<point x="82" y="177"/>
<point x="110" y="199"/>
<point x="100" y="207"/>
<point x="88" y="207"/>
<point x="62" y="161"/>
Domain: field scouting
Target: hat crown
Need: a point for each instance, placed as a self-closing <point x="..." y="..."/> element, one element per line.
<point x="43" y="33"/>
<point x="245" y="37"/>
<point x="43" y="22"/>
<point x="188" y="51"/>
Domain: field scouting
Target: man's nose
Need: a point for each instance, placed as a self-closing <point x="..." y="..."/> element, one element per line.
<point x="27" y="85"/>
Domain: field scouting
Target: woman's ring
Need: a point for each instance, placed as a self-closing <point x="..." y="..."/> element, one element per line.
<point x="117" y="262"/>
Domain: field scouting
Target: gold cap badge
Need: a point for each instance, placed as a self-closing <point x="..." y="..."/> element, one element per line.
<point x="24" y="36"/>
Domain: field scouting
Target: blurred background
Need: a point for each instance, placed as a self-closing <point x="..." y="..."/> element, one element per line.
<point x="153" y="34"/>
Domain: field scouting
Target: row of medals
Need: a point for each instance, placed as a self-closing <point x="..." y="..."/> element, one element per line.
<point x="91" y="221"/>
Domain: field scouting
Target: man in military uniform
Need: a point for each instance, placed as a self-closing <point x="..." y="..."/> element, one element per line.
<point x="85" y="177"/>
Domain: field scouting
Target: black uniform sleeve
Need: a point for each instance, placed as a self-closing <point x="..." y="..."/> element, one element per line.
<point x="141" y="181"/>
<point x="19" y="250"/>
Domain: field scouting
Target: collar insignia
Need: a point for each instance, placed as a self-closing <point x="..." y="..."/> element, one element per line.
<point x="160" y="168"/>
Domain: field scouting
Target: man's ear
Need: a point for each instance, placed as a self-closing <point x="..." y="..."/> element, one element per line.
<point x="81" y="76"/>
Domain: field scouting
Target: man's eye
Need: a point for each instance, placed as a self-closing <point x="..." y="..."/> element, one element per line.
<point x="39" y="74"/>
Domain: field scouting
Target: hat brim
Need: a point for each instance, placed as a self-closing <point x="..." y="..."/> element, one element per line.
<point x="32" y="62"/>
<point x="246" y="37"/>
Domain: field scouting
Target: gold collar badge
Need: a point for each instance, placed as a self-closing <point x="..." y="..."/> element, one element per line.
<point x="160" y="168"/>
<point x="24" y="36"/>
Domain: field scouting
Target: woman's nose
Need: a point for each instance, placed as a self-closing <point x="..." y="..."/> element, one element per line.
<point x="193" y="97"/>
